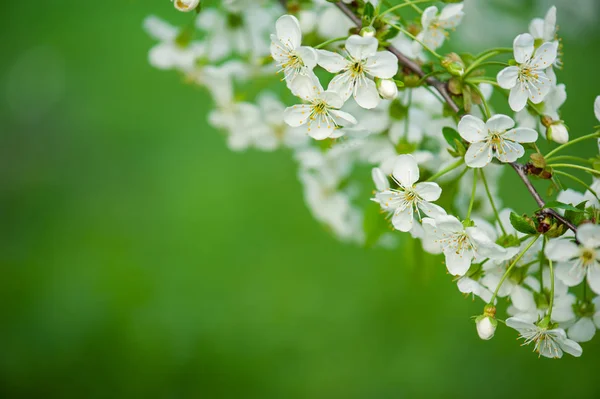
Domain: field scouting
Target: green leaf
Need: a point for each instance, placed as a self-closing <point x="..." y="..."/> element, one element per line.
<point x="577" y="217"/>
<point x="450" y="135"/>
<point x="521" y="224"/>
<point x="561" y="205"/>
<point x="368" y="13"/>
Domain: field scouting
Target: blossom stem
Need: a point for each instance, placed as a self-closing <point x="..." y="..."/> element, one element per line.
<point x="565" y="145"/>
<point x="571" y="158"/>
<point x="491" y="198"/>
<point x="510" y="267"/>
<point x="491" y="82"/>
<point x="541" y="255"/>
<point x="483" y="100"/>
<point x="407" y="33"/>
<point x="472" y="194"/>
<point x="407" y="3"/>
<point x="479" y="60"/>
<point x="447" y="169"/>
<point x="578" y="180"/>
<point x="325" y="43"/>
<point x="551" y="301"/>
<point x="568" y="165"/>
<point x="495" y="50"/>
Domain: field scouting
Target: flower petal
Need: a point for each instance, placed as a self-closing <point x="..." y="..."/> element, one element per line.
<point x="583" y="330"/>
<point x="296" y="115"/>
<point x="403" y="219"/>
<point x="597" y="108"/>
<point x="589" y="235"/>
<point x="428" y="16"/>
<point x="309" y="56"/>
<point x="472" y="129"/>
<point x="478" y="155"/>
<point x="523" y="47"/>
<point x="383" y="65"/>
<point x="544" y="56"/>
<point x="571" y="347"/>
<point x="458" y="263"/>
<point x="521" y="135"/>
<point x="509" y="151"/>
<point x="561" y="250"/>
<point x="331" y="62"/>
<point x="360" y="47"/>
<point x="518" y="96"/>
<point x="429" y="191"/>
<point x="593" y="277"/>
<point x="366" y="94"/>
<point x="406" y="170"/>
<point x="380" y="179"/>
<point x="569" y="273"/>
<point x="499" y="123"/>
<point x="507" y="78"/>
<point x="343" y="118"/>
<point x="288" y="31"/>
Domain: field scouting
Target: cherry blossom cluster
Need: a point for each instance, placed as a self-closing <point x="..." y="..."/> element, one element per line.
<point x="360" y="85"/>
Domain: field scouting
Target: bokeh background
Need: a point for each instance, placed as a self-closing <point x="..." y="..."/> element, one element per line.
<point x="140" y="258"/>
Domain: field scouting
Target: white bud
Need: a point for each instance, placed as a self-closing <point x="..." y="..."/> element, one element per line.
<point x="186" y="5"/>
<point x="486" y="327"/>
<point x="387" y="89"/>
<point x="557" y="132"/>
<point x="368" y="31"/>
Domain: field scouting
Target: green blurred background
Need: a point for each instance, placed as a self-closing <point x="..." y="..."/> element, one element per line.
<point x="141" y="258"/>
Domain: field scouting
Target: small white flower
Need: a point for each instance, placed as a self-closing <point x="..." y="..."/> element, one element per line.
<point x="494" y="138"/>
<point x="387" y="89"/>
<point x="186" y="5"/>
<point x="467" y="285"/>
<point x="296" y="61"/>
<point x="363" y="62"/>
<point x="411" y="196"/>
<point x="585" y="328"/>
<point x="486" y="327"/>
<point x="461" y="245"/>
<point x="597" y="108"/>
<point x="575" y="262"/>
<point x="435" y="26"/>
<point x="528" y="80"/>
<point x="548" y="342"/>
<point x="322" y="115"/>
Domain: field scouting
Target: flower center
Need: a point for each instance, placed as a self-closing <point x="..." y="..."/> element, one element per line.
<point x="588" y="256"/>
<point x="357" y="68"/>
<point x="294" y="61"/>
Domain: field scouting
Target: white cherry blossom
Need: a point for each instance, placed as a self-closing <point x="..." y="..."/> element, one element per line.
<point x="528" y="80"/>
<point x="296" y="61"/>
<point x="435" y="27"/>
<point x="495" y="138"/>
<point x="186" y="5"/>
<point x="460" y="244"/>
<point x="357" y="70"/>
<point x="322" y="115"/>
<point x="548" y="342"/>
<point x="575" y="262"/>
<point x="411" y="197"/>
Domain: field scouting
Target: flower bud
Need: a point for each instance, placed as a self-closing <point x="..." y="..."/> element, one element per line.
<point x="557" y="131"/>
<point x="387" y="89"/>
<point x="454" y="64"/>
<point x="486" y="327"/>
<point x="186" y="5"/>
<point x="368" y="31"/>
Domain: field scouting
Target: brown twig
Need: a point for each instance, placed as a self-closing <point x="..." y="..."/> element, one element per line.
<point x="442" y="88"/>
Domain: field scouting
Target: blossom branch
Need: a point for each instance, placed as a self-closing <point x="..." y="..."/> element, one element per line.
<point x="440" y="86"/>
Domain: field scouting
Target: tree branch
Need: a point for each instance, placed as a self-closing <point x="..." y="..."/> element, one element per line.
<point x="440" y="86"/>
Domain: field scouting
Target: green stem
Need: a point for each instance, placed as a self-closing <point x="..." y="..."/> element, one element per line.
<point x="498" y="63"/>
<point x="483" y="100"/>
<point x="472" y="194"/>
<point x="328" y="42"/>
<point x="578" y="180"/>
<point x="447" y="169"/>
<point x="407" y="33"/>
<point x="495" y="50"/>
<point x="491" y="198"/>
<point x="565" y="145"/>
<point x="479" y="60"/>
<point x="509" y="269"/>
<point x="571" y="158"/>
<point x="407" y="3"/>
<point x="542" y="266"/>
<point x="477" y="81"/>
<point x="568" y="165"/>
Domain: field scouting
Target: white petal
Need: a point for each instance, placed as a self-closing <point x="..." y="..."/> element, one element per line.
<point x="360" y="47"/>
<point x="597" y="108"/>
<point x="589" y="235"/>
<point x="520" y="325"/>
<point x="406" y="170"/>
<point x="343" y="118"/>
<point x="544" y="56"/>
<point x="583" y="330"/>
<point x="541" y="88"/>
<point x="309" y="56"/>
<point x="288" y="31"/>
<point x="320" y="132"/>
<point x="429" y="191"/>
<point x="472" y="129"/>
<point x="593" y="277"/>
<point x="521" y="135"/>
<point x="478" y="155"/>
<point x="332" y="98"/>
<point x="343" y="84"/>
<point x="523" y="47"/>
<point x="366" y="94"/>
<point x="518" y="96"/>
<point x="428" y="16"/>
<point x="522" y="298"/>
<point x="499" y="123"/>
<point x="296" y="115"/>
<point x="507" y="78"/>
<point x="451" y="15"/>
<point x="536" y="28"/>
<point x="331" y="62"/>
<point x="571" y="347"/>
<point x="403" y="219"/>
<point x="380" y="180"/>
<point x="568" y="274"/>
<point x="383" y="65"/>
<point x="550" y="24"/>
<point x="458" y="263"/>
<point x="561" y="250"/>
